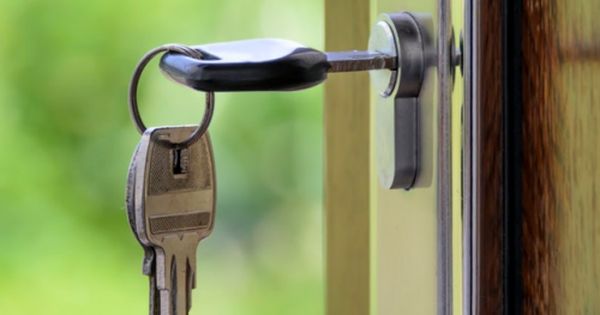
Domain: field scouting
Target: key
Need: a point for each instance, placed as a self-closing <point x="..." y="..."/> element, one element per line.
<point x="265" y="65"/>
<point x="173" y="209"/>
<point x="173" y="206"/>
<point x="148" y="264"/>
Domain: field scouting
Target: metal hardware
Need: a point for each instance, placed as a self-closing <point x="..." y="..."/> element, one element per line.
<point x="135" y="80"/>
<point x="412" y="71"/>
<point x="397" y="106"/>
<point x="401" y="49"/>
<point x="348" y="61"/>
<point x="265" y="65"/>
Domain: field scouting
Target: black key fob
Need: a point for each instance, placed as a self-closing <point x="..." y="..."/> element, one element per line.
<point x="249" y="65"/>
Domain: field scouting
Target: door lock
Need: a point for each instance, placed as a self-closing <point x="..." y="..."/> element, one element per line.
<point x="401" y="50"/>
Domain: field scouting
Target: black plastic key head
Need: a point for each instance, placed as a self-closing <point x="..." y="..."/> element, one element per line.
<point x="249" y="65"/>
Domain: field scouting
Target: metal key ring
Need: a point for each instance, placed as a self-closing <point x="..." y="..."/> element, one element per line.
<point x="135" y="80"/>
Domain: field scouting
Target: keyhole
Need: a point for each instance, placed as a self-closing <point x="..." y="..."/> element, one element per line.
<point x="180" y="161"/>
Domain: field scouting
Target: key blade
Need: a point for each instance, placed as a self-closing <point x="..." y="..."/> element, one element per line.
<point x="350" y="61"/>
<point x="190" y="280"/>
<point x="175" y="279"/>
<point x="173" y="294"/>
<point x="154" y="296"/>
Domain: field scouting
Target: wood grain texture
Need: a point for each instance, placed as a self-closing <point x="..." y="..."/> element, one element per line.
<point x="347" y="165"/>
<point x="561" y="168"/>
<point x="541" y="132"/>
<point x="489" y="224"/>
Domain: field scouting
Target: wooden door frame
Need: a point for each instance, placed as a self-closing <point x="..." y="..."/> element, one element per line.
<point x="533" y="159"/>
<point x="492" y="157"/>
<point x="347" y="165"/>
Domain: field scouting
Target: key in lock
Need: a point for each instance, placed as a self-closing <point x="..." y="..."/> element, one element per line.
<point x="401" y="50"/>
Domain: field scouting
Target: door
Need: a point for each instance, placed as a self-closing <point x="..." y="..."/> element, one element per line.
<point x="526" y="193"/>
<point x="389" y="251"/>
<point x="533" y="163"/>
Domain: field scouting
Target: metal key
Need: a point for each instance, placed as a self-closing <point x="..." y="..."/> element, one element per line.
<point x="148" y="264"/>
<point x="173" y="203"/>
<point x="266" y="65"/>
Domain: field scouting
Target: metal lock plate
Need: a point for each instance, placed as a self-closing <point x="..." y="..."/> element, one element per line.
<point x="397" y="113"/>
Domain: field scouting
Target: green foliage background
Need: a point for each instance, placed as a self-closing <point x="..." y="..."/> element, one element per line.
<point x="66" y="141"/>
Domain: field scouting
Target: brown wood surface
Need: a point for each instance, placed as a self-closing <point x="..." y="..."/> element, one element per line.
<point x="558" y="243"/>
<point x="347" y="165"/>
<point x="561" y="157"/>
<point x="489" y="224"/>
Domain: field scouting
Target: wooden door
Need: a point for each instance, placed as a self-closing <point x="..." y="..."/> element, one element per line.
<point x="388" y="251"/>
<point x="533" y="234"/>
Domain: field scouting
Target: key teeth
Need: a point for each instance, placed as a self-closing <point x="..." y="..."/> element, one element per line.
<point x="173" y="285"/>
<point x="154" y="297"/>
<point x="191" y="283"/>
<point x="193" y="277"/>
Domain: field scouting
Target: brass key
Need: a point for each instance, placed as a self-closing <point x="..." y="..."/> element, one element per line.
<point x="172" y="209"/>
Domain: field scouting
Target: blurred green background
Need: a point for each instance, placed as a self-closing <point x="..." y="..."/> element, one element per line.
<point x="67" y="139"/>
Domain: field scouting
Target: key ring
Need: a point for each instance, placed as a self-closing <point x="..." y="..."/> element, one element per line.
<point x="135" y="80"/>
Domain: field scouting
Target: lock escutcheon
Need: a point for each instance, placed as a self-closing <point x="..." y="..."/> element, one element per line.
<point x="397" y="120"/>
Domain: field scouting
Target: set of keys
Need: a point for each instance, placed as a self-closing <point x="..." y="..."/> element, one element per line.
<point x="171" y="184"/>
<point x="170" y="203"/>
<point x="171" y="208"/>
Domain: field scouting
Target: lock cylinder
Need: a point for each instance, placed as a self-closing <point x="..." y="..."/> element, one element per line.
<point x="397" y="106"/>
